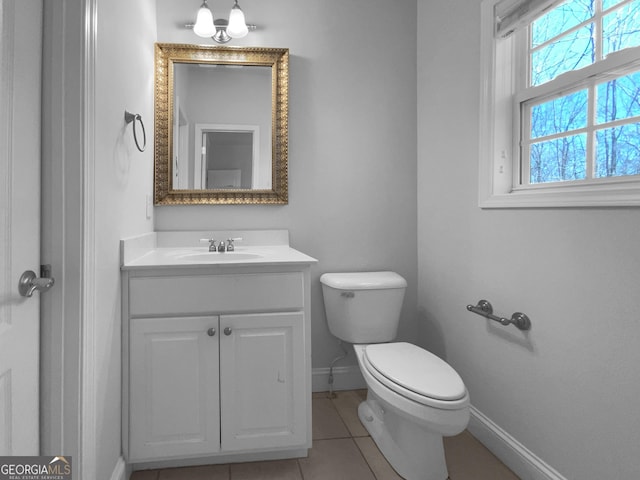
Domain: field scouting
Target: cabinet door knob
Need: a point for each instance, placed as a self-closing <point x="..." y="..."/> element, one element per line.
<point x="227" y="331"/>
<point x="211" y="332"/>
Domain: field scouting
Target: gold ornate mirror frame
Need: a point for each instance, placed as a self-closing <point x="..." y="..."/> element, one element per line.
<point x="166" y="55"/>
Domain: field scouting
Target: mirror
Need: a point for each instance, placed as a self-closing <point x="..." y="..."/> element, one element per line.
<point x="221" y="125"/>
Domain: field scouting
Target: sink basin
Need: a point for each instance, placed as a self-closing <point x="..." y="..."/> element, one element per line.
<point x="215" y="257"/>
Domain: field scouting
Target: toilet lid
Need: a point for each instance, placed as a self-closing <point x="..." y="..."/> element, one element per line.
<point x="416" y="370"/>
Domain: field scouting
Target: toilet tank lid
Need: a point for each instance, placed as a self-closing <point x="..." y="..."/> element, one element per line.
<point x="363" y="280"/>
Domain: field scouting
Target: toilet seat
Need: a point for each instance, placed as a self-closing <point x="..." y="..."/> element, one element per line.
<point x="416" y="374"/>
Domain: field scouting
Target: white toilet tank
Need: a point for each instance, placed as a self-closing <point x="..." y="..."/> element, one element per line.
<point x="363" y="307"/>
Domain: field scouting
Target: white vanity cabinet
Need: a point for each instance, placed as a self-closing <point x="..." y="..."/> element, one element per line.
<point x="174" y="387"/>
<point x="262" y="381"/>
<point x="216" y="364"/>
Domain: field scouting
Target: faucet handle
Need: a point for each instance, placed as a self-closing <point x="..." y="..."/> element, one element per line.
<point x="212" y="243"/>
<point x="230" y="246"/>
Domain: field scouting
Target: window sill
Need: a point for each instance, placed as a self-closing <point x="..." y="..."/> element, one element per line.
<point x="619" y="195"/>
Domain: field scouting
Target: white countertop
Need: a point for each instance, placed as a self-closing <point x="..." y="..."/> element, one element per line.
<point x="174" y="257"/>
<point x="157" y="250"/>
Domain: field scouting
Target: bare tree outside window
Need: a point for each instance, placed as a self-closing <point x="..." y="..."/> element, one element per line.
<point x="597" y="127"/>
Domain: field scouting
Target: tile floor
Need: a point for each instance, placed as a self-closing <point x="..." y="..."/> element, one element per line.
<point x="343" y="450"/>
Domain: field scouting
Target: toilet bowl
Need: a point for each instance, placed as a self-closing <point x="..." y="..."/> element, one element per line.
<point x="414" y="398"/>
<point x="408" y="426"/>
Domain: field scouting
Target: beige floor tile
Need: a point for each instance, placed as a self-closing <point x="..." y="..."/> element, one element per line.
<point x="375" y="459"/>
<point x="338" y="459"/>
<point x="276" y="470"/>
<point x="207" y="472"/>
<point x="336" y="456"/>
<point x="468" y="459"/>
<point x="326" y="421"/>
<point x="346" y="403"/>
<point x="144" y="475"/>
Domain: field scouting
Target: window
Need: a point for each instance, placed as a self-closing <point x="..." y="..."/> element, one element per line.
<point x="560" y="106"/>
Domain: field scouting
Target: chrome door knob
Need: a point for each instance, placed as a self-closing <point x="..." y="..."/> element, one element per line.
<point x="211" y="332"/>
<point x="29" y="283"/>
<point x="227" y="331"/>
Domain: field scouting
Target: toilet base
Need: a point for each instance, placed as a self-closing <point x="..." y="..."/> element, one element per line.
<point x="413" y="452"/>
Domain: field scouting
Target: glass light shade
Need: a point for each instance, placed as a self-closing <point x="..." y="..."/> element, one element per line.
<point x="204" y="26"/>
<point x="237" y="26"/>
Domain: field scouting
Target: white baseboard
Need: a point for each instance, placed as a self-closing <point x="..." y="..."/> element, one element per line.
<point x="344" y="378"/>
<point x="120" y="470"/>
<point x="221" y="459"/>
<point x="511" y="452"/>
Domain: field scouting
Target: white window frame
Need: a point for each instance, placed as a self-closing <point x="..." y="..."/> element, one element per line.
<point x="500" y="126"/>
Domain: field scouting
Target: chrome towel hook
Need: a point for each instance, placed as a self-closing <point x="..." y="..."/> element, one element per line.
<point x="133" y="117"/>
<point x="485" y="309"/>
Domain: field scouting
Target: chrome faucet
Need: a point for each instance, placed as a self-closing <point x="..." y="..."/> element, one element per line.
<point x="221" y="247"/>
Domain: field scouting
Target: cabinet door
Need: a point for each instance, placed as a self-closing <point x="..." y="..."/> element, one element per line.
<point x="262" y="381"/>
<point x="174" y="397"/>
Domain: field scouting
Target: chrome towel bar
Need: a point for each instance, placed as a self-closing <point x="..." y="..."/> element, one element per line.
<point x="485" y="309"/>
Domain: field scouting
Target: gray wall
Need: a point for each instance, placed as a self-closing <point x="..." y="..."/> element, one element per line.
<point x="569" y="389"/>
<point x="351" y="157"/>
<point x="352" y="140"/>
<point x="123" y="180"/>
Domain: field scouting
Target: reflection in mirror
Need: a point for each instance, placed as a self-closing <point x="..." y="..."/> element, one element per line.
<point x="221" y="125"/>
<point x="212" y="107"/>
<point x="232" y="152"/>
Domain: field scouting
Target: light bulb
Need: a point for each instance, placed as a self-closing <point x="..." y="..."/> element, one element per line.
<point x="204" y="26"/>
<point x="237" y="26"/>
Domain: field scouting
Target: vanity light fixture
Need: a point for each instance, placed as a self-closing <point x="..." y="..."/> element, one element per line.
<point x="204" y="26"/>
<point x="221" y="30"/>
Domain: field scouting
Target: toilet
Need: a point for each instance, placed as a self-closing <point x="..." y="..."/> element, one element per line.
<point x="414" y="398"/>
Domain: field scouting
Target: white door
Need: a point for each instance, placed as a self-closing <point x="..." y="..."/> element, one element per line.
<point x="173" y="387"/>
<point x="20" y="59"/>
<point x="262" y="381"/>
